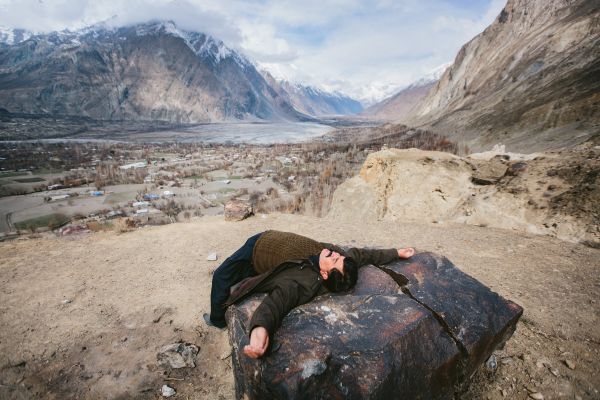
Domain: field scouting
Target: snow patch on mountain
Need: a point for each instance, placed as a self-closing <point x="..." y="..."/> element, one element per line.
<point x="14" y="36"/>
<point x="433" y="76"/>
<point x="202" y="44"/>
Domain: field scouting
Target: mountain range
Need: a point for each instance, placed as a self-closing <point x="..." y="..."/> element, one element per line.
<point x="151" y="71"/>
<point x="530" y="81"/>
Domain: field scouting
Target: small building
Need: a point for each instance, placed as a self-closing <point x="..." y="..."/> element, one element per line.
<point x="56" y="187"/>
<point x="284" y="160"/>
<point x="150" y="197"/>
<point x="115" y="214"/>
<point x="141" y="164"/>
<point x="139" y="204"/>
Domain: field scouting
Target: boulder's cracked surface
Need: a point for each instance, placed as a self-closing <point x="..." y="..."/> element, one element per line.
<point x="412" y="329"/>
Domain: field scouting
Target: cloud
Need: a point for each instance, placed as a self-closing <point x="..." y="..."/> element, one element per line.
<point x="364" y="48"/>
<point x="260" y="41"/>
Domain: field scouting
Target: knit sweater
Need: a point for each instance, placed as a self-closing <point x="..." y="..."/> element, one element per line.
<point x="274" y="248"/>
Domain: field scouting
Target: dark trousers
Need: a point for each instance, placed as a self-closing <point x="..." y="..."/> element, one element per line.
<point x="233" y="270"/>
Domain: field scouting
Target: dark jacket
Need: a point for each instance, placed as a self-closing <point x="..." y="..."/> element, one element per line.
<point x="290" y="281"/>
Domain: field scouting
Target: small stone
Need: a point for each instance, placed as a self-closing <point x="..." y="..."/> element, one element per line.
<point x="554" y="371"/>
<point x="167" y="391"/>
<point x="177" y="355"/>
<point x="67" y="301"/>
<point x="504" y="393"/>
<point x="536" y="396"/>
<point x="525" y="357"/>
<point x="543" y="362"/>
<point x="506" y="360"/>
<point x="236" y="210"/>
<point x="491" y="363"/>
<point x="212" y="257"/>
<point x="570" y="364"/>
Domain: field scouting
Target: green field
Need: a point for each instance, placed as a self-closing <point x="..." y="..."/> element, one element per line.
<point x="29" y="180"/>
<point x="10" y="174"/>
<point x="50" y="220"/>
<point x="114" y="198"/>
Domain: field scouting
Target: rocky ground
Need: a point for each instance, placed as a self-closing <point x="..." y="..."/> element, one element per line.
<point x="85" y="316"/>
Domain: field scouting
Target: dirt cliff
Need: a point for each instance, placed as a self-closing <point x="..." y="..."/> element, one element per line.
<point x="555" y="193"/>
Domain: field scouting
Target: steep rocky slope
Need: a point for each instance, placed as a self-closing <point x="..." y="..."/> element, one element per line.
<point x="555" y="193"/>
<point x="530" y="80"/>
<point x="313" y="101"/>
<point x="401" y="104"/>
<point x="149" y="71"/>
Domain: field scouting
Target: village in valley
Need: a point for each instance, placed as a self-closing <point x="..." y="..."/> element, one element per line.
<point x="82" y="186"/>
<point x="79" y="187"/>
<point x="75" y="187"/>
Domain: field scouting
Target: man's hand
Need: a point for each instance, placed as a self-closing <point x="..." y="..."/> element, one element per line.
<point x="406" y="252"/>
<point x="259" y="341"/>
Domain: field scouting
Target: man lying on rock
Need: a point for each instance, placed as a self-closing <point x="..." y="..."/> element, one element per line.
<point x="292" y="269"/>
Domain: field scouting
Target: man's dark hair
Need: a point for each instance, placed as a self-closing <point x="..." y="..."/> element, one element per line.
<point x="336" y="282"/>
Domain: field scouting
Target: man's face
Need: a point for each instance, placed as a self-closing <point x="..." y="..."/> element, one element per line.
<point x="330" y="260"/>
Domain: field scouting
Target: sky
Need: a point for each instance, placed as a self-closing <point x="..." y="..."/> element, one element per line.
<point x="366" y="49"/>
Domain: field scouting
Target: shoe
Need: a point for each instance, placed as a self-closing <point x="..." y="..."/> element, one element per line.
<point x="212" y="324"/>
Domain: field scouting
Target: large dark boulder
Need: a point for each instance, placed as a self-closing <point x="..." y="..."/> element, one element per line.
<point x="411" y="329"/>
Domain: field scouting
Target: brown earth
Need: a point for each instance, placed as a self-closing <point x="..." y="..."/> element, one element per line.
<point x="132" y="293"/>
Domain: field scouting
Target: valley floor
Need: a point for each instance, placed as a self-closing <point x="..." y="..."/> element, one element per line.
<point x="84" y="316"/>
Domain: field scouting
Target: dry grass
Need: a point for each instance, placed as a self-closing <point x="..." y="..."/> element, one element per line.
<point x="322" y="166"/>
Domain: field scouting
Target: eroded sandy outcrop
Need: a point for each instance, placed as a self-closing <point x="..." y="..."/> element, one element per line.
<point x="554" y="193"/>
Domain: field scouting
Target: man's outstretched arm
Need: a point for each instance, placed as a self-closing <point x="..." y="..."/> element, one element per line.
<point x="268" y="316"/>
<point x="259" y="342"/>
<point x="364" y="256"/>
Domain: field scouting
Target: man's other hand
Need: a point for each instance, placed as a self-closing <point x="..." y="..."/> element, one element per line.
<point x="406" y="252"/>
<point x="259" y="341"/>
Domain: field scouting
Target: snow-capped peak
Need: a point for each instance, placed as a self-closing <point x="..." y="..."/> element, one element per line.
<point x="433" y="76"/>
<point x="202" y="44"/>
<point x="14" y="36"/>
